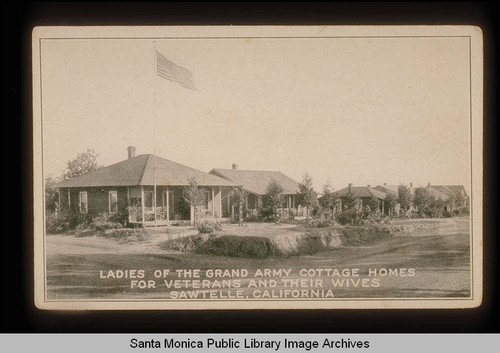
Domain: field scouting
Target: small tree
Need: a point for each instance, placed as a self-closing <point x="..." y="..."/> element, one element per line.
<point x="85" y="162"/>
<point x="195" y="197"/>
<point x="422" y="199"/>
<point x="238" y="197"/>
<point x="390" y="204"/>
<point x="51" y="195"/>
<point x="274" y="197"/>
<point x="459" y="200"/>
<point x="307" y="196"/>
<point x="329" y="199"/>
<point x="373" y="204"/>
<point x="405" y="197"/>
<point x="351" y="212"/>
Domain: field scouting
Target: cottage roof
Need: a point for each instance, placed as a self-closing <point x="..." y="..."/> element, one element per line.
<point x="452" y="190"/>
<point x="388" y="189"/>
<point x="256" y="181"/>
<point x="140" y="170"/>
<point x="362" y="191"/>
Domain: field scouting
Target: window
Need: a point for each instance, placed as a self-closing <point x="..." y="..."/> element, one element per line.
<point x="148" y="199"/>
<point x="206" y="200"/>
<point x="84" y="205"/>
<point x="113" y="202"/>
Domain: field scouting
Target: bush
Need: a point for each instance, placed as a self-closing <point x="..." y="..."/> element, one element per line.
<point x="462" y="211"/>
<point x="235" y="246"/>
<point x="253" y="218"/>
<point x="364" y="235"/>
<point x="66" y="220"/>
<point x="209" y="227"/>
<point x="57" y="223"/>
<point x="317" y="223"/>
<point x="267" y="214"/>
<point x="120" y="217"/>
<point x="350" y="216"/>
<point x="104" y="221"/>
<point x="446" y="214"/>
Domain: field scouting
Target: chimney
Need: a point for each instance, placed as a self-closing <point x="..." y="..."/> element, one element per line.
<point x="385" y="184"/>
<point x="429" y="184"/>
<point x="369" y="185"/>
<point x="235" y="166"/>
<point x="131" y="151"/>
<point x="411" y="185"/>
<point x="350" y="187"/>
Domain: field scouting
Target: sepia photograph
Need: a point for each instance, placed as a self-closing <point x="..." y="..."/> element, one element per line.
<point x="257" y="167"/>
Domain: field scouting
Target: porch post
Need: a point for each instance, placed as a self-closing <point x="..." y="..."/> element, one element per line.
<point x="168" y="205"/>
<point x="59" y="200"/>
<point x="142" y="204"/>
<point x="192" y="215"/>
<point x="128" y="202"/>
<point x="154" y="202"/>
<point x="69" y="199"/>
<point x="213" y="203"/>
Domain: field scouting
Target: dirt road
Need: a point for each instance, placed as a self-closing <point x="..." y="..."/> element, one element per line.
<point x="440" y="265"/>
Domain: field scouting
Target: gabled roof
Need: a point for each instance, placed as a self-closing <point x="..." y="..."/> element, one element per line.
<point x="451" y="190"/>
<point x="256" y="181"/>
<point x="140" y="170"/>
<point x="362" y="191"/>
<point x="439" y="193"/>
<point x="388" y="189"/>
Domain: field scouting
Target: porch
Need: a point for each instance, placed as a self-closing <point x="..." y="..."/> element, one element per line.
<point x="167" y="205"/>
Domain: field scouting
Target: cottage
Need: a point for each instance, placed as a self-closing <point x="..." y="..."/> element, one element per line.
<point x="255" y="183"/>
<point x="364" y="193"/>
<point x="151" y="188"/>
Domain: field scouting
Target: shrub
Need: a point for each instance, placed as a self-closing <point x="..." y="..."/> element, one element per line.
<point x="267" y="214"/>
<point x="66" y="220"/>
<point x="104" y="221"/>
<point x="462" y="211"/>
<point x="253" y="218"/>
<point x="317" y="223"/>
<point x="364" y="235"/>
<point x="120" y="217"/>
<point x="209" y="227"/>
<point x="350" y="216"/>
<point x="235" y="246"/>
<point x="446" y="214"/>
<point x="56" y="223"/>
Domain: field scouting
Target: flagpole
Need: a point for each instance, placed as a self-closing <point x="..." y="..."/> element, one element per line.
<point x="154" y="127"/>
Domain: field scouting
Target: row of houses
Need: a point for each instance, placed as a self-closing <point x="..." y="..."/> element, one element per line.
<point x="153" y="190"/>
<point x="452" y="196"/>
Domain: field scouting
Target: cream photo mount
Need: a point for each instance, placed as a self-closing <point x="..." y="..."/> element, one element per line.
<point x="281" y="101"/>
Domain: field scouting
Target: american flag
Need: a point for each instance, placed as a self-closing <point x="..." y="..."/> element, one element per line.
<point x="173" y="72"/>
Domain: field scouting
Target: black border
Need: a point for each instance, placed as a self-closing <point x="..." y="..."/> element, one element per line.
<point x="18" y="312"/>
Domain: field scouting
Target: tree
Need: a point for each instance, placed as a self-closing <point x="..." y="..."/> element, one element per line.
<point x="51" y="195"/>
<point x="390" y="204"/>
<point x="307" y="196"/>
<point x="405" y="197"/>
<point x="195" y="197"/>
<point x="274" y="197"/>
<point x="422" y="199"/>
<point x="85" y="162"/>
<point x="459" y="200"/>
<point x="329" y="198"/>
<point x="373" y="204"/>
<point x="238" y="197"/>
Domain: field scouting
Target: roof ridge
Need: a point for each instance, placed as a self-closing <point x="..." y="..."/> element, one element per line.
<point x="144" y="168"/>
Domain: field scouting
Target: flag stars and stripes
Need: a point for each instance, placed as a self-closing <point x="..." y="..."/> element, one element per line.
<point x="173" y="72"/>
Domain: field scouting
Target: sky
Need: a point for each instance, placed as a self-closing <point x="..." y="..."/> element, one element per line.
<point x="344" y="110"/>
